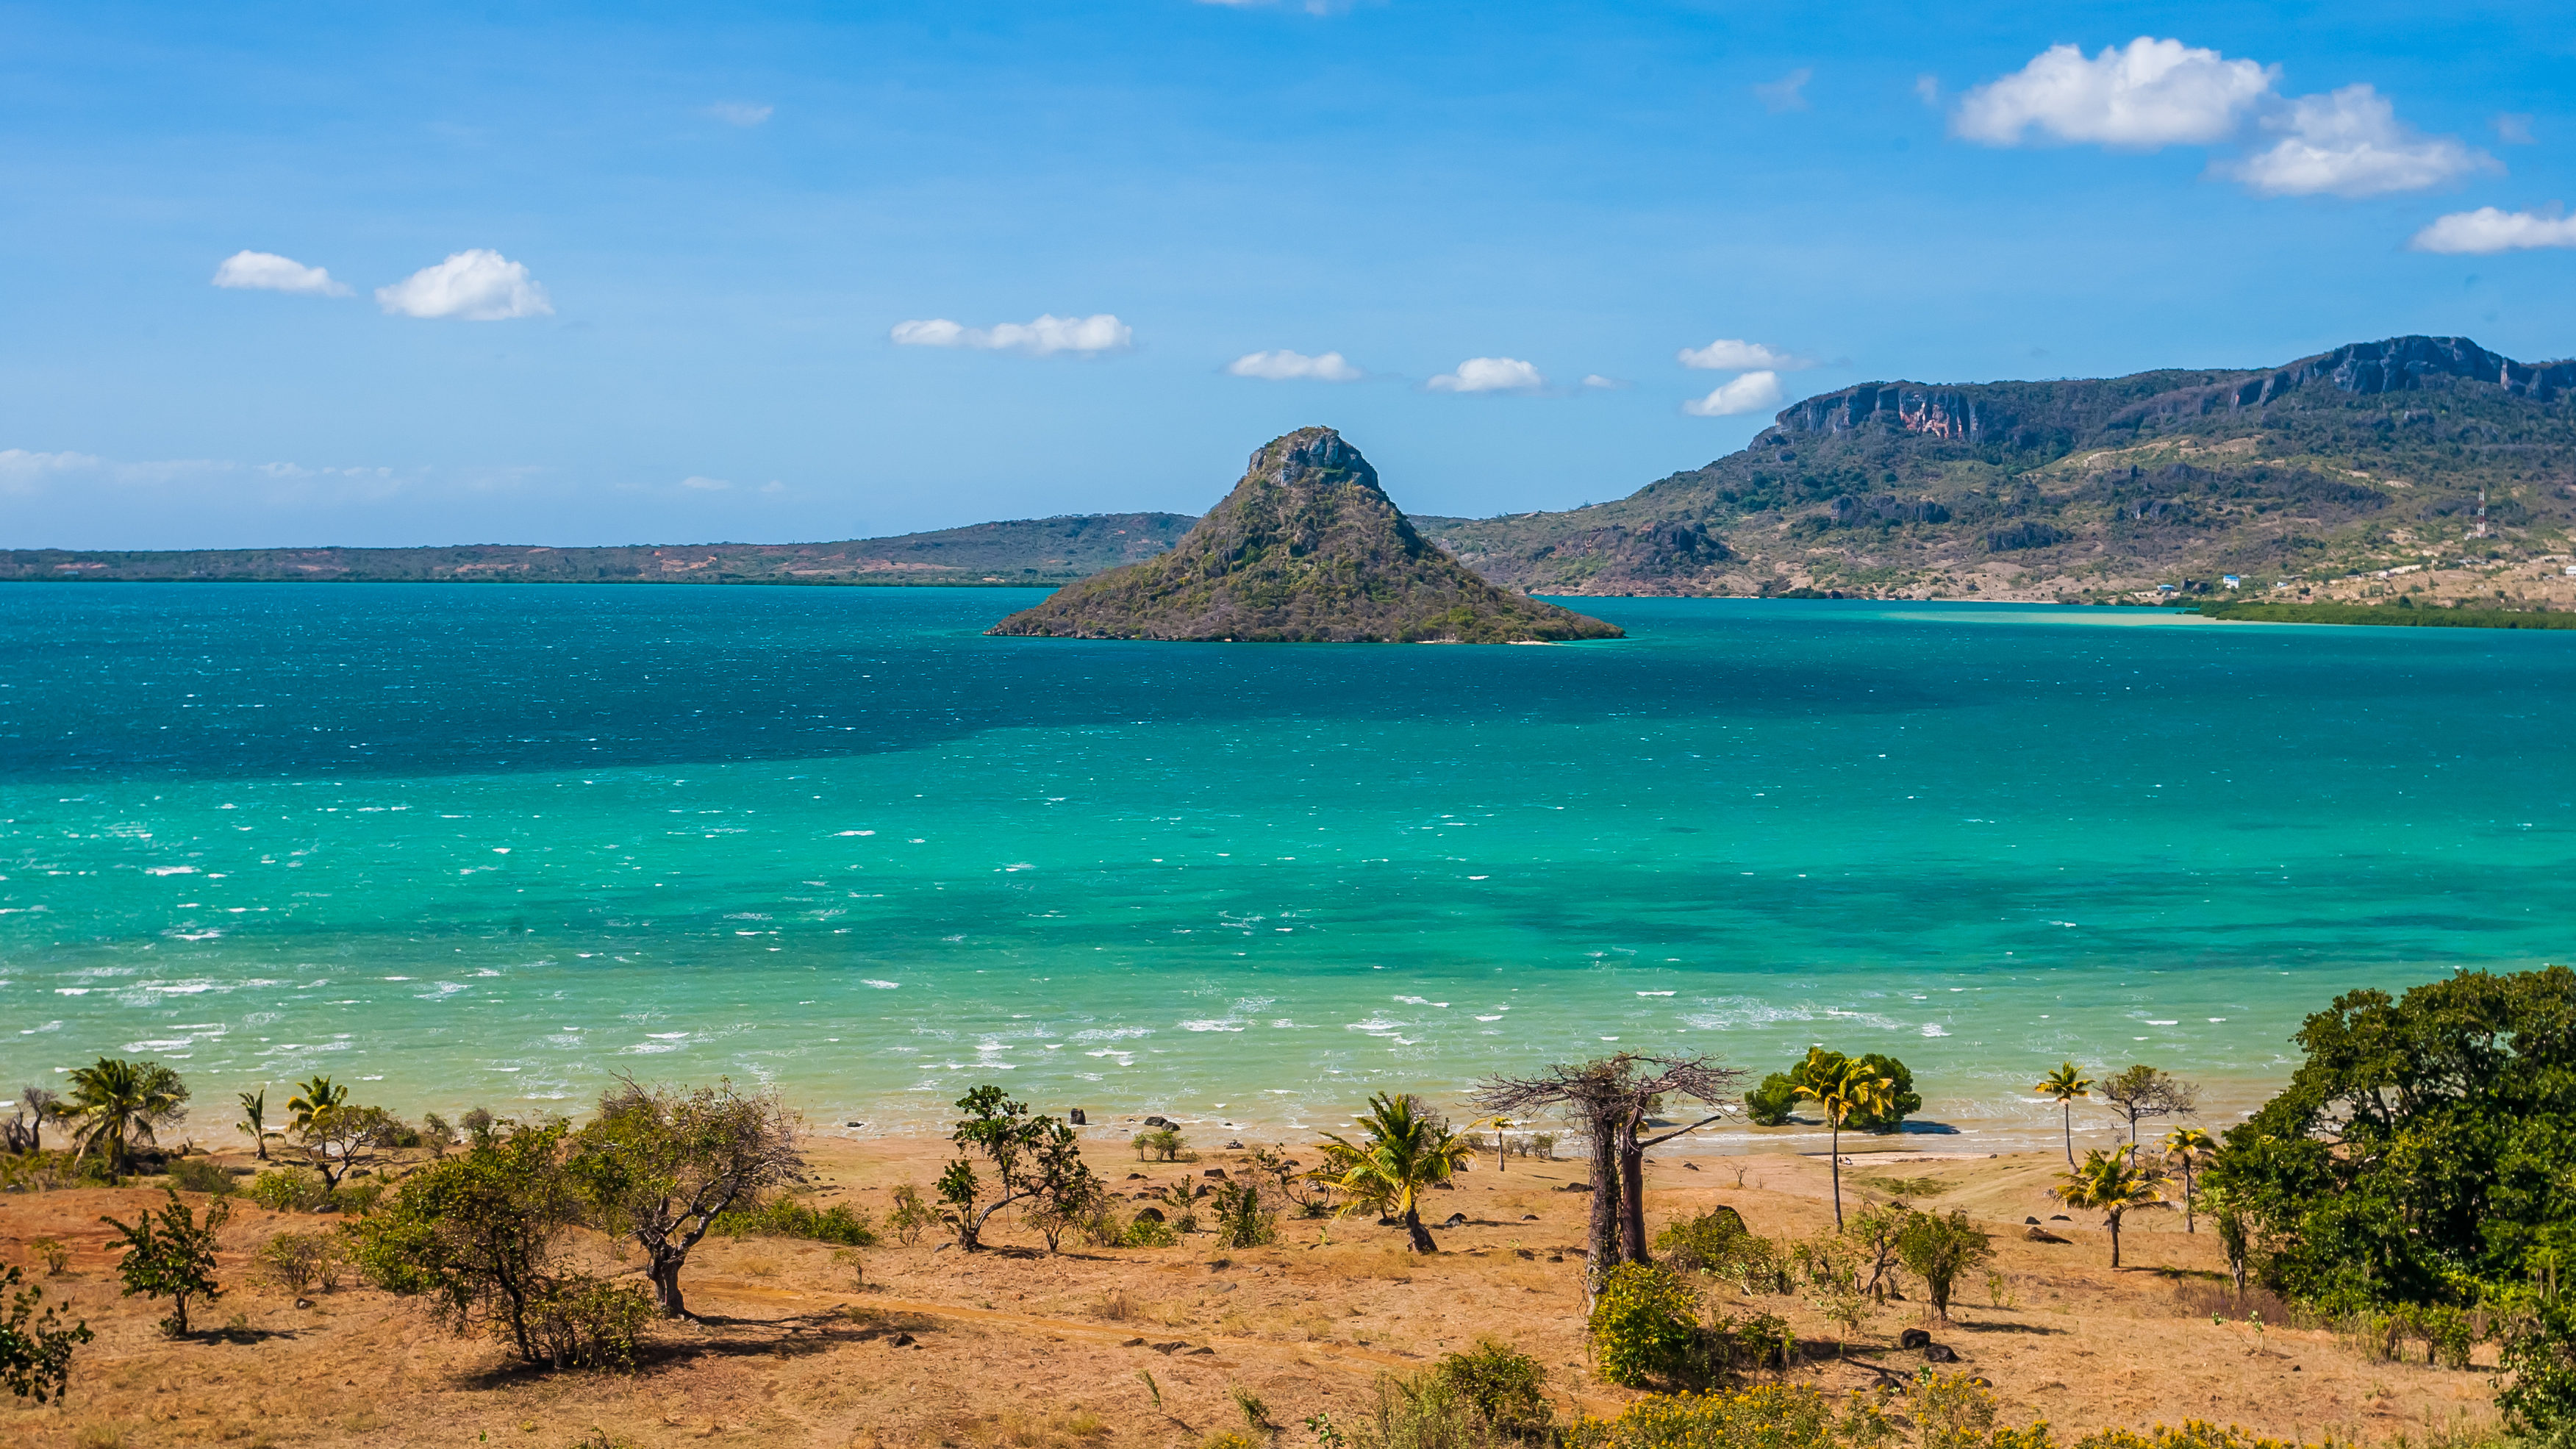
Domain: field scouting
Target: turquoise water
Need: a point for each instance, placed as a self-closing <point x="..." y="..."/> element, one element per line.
<point x="491" y="844"/>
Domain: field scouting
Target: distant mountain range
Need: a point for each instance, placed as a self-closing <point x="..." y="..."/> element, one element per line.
<point x="2373" y="455"/>
<point x="2376" y="455"/>
<point x="1043" y="551"/>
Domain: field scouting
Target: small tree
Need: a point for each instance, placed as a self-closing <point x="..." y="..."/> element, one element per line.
<point x="1940" y="1251"/>
<point x="338" y="1137"/>
<point x="2188" y="1148"/>
<point x="35" y="1349"/>
<point x="1242" y="1221"/>
<point x="116" y="1103"/>
<point x="662" y="1165"/>
<point x="1644" y="1324"/>
<point x="1878" y="1229"/>
<point x="25" y="1132"/>
<point x="2110" y="1184"/>
<point x="1844" y="1088"/>
<point x="1405" y="1150"/>
<point x="2143" y="1091"/>
<point x="254" y="1107"/>
<point x="310" y="1097"/>
<point x="174" y="1261"/>
<point x="1033" y="1156"/>
<point x="2066" y="1084"/>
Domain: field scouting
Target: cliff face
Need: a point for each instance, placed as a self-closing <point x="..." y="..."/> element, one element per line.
<point x="1306" y="549"/>
<point x="2372" y="456"/>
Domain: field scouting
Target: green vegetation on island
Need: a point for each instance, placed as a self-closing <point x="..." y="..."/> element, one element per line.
<point x="2404" y="612"/>
<point x="1307" y="549"/>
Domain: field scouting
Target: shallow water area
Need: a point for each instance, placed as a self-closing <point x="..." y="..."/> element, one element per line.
<point x="492" y="844"/>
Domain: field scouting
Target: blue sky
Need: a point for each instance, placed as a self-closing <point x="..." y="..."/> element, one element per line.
<point x="629" y="273"/>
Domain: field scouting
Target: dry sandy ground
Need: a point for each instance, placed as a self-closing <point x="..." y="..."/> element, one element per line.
<point x="1010" y="1347"/>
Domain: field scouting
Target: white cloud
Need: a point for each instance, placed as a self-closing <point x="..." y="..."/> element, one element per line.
<point x="1596" y="380"/>
<point x="1927" y="88"/>
<point x="741" y="113"/>
<point x="28" y="474"/>
<point x="1751" y="393"/>
<point x="2488" y="230"/>
<point x="480" y="285"/>
<point x="269" y="272"/>
<point x="1727" y="354"/>
<point x="1284" y="366"/>
<point x="2514" y="128"/>
<point x="2154" y="93"/>
<point x="1048" y="335"/>
<point x="1490" y="374"/>
<point x="2350" y="143"/>
<point x="708" y="484"/>
<point x="1786" y="93"/>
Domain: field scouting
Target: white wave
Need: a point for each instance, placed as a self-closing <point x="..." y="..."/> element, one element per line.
<point x="640" y="1049"/>
<point x="1121" y="1033"/>
<point x="441" y="992"/>
<point x="1227" y="1024"/>
<point x="1934" y="1029"/>
<point x="879" y="985"/>
<point x="1489" y="1018"/>
<point x="1654" y="993"/>
<point x="2164" y="1023"/>
<point x="179" y="988"/>
<point x="71" y="991"/>
<point x="169" y="870"/>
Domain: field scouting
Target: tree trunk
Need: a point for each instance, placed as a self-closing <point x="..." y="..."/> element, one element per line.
<point x="1632" y="1196"/>
<point x="1603" y="1248"/>
<point x="2067" y="1108"/>
<point x="1421" y="1235"/>
<point x="1837" y="1155"/>
<point x="663" y="1270"/>
<point x="2115" y="1242"/>
<point x="2188" y="1216"/>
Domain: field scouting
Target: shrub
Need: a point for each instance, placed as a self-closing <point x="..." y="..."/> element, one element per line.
<point x="1772" y="1416"/>
<point x="58" y="1259"/>
<point x="1160" y="1144"/>
<point x="1940" y="1250"/>
<point x="1717" y="1243"/>
<point x="1241" y="1220"/>
<point x="357" y="1198"/>
<point x="1147" y="1232"/>
<point x="585" y="1322"/>
<point x="1770" y="1104"/>
<point x="35" y="1349"/>
<point x="1645" y="1324"/>
<point x="1506" y="1386"/>
<point x="195" y="1174"/>
<point x="290" y="1190"/>
<point x="297" y="1261"/>
<point x="910" y="1215"/>
<point x="786" y="1218"/>
<point x="1427" y="1412"/>
<point x="174" y="1261"/>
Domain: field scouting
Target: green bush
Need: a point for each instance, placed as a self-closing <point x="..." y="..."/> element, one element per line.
<point x="196" y="1174"/>
<point x="910" y="1215"/>
<point x="1645" y="1325"/>
<point x="1770" y="1104"/>
<point x="1506" y="1386"/>
<point x="357" y="1199"/>
<point x="290" y="1190"/>
<point x="1147" y="1232"/>
<point x="1241" y="1220"/>
<point x="586" y="1322"/>
<point x="1717" y="1243"/>
<point x="786" y="1218"/>
<point x="297" y="1261"/>
<point x="1160" y="1144"/>
<point x="1941" y="1250"/>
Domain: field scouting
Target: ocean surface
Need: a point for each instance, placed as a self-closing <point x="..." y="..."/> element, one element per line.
<point x="491" y="845"/>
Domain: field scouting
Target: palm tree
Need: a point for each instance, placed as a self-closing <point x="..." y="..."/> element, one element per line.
<point x="1408" y="1149"/>
<point x="2066" y="1084"/>
<point x="2189" y="1147"/>
<point x="116" y="1103"/>
<point x="1845" y="1089"/>
<point x="317" y="1095"/>
<point x="254" y="1108"/>
<point x="2110" y="1184"/>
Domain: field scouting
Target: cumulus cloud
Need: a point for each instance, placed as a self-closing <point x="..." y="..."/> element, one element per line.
<point x="741" y="113"/>
<point x="2489" y="230"/>
<point x="1490" y="374"/>
<point x="2350" y="143"/>
<point x="1046" y="336"/>
<point x="2152" y="93"/>
<point x="480" y="285"/>
<point x="1728" y="354"/>
<point x="1597" y="381"/>
<point x="1286" y="366"/>
<point x="269" y="272"/>
<point x="1787" y="93"/>
<point x="1752" y="393"/>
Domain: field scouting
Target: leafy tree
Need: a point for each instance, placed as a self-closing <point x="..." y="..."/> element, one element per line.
<point x="1842" y="1087"/>
<point x="254" y="1112"/>
<point x="2419" y="1156"/>
<point x="339" y="1137"/>
<point x="2110" y="1184"/>
<point x="175" y="1260"/>
<point x="317" y="1095"/>
<point x="35" y="1349"/>
<point x="1940" y="1251"/>
<point x="1405" y="1150"/>
<point x="1770" y="1104"/>
<point x="25" y="1131"/>
<point x="661" y="1165"/>
<point x="477" y="1234"/>
<point x="2188" y="1148"/>
<point x="2066" y="1084"/>
<point x="116" y="1103"/>
<point x="1644" y="1324"/>
<point x="2143" y="1091"/>
<point x="1034" y="1157"/>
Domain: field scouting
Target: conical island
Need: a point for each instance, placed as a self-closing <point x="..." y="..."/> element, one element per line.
<point x="1307" y="549"/>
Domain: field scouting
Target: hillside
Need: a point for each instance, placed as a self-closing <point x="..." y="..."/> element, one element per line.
<point x="2376" y="456"/>
<point x="1025" y="551"/>
<point x="1306" y="549"/>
